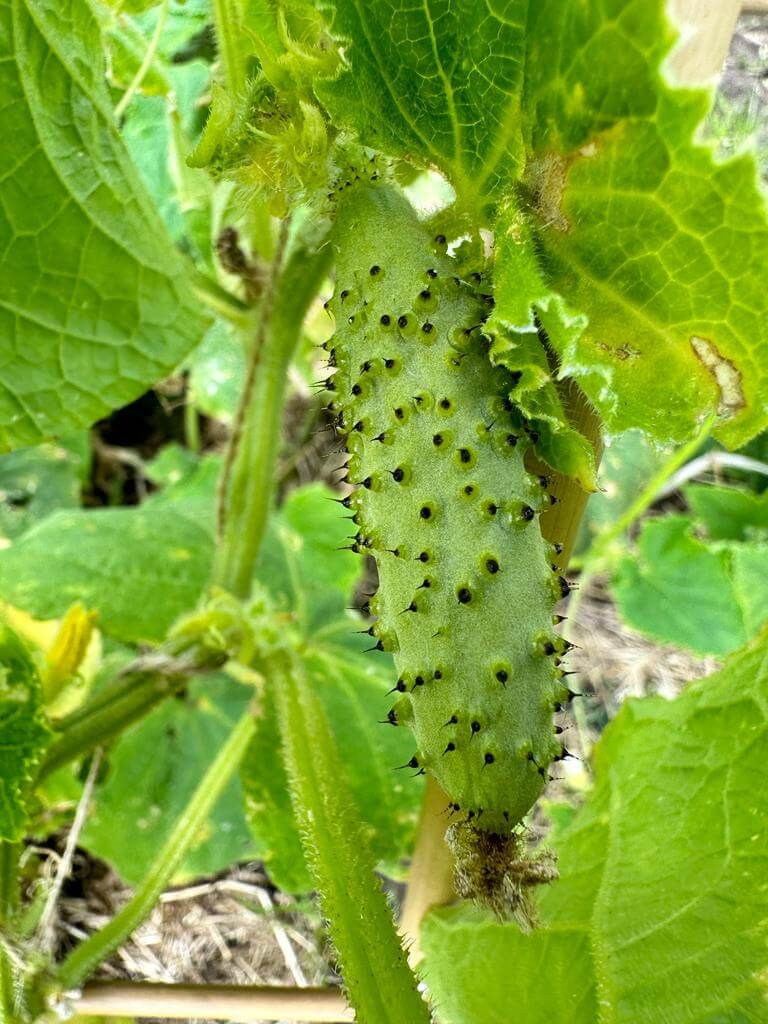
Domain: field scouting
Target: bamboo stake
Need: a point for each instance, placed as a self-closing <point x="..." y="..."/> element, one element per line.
<point x="707" y="28"/>
<point x="212" y="1002"/>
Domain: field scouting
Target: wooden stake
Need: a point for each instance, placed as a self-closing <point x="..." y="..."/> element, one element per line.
<point x="212" y="1002"/>
<point x="707" y="28"/>
<point x="430" y="881"/>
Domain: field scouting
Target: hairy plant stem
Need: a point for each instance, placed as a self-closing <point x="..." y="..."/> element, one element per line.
<point x="89" y="954"/>
<point x="140" y="686"/>
<point x="431" y="877"/>
<point x="228" y="17"/>
<point x="9" y="900"/>
<point x="376" y="974"/>
<point x="232" y="505"/>
<point x="246" y="487"/>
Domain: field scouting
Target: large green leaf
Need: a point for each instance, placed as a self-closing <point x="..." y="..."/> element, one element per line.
<point x="95" y="302"/>
<point x="682" y="590"/>
<point x="639" y="253"/>
<point x="24" y="734"/>
<point x="139" y="568"/>
<point x="659" y="248"/>
<point x="154" y="769"/>
<point x="662" y="901"/>
<point x="437" y="81"/>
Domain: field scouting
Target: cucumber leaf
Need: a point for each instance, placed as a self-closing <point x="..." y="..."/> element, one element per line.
<point x="729" y="513"/>
<point x="95" y="301"/>
<point x="475" y="966"/>
<point x="440" y="83"/>
<point x="652" y="250"/>
<point x="140" y="568"/>
<point x="617" y="232"/>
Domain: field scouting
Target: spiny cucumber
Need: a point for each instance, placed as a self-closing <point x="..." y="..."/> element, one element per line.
<point x="444" y="504"/>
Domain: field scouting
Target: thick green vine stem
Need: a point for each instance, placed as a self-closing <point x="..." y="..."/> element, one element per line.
<point x="380" y="985"/>
<point x="299" y="266"/>
<point x="232" y="43"/>
<point x="89" y="954"/>
<point x="447" y="509"/>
